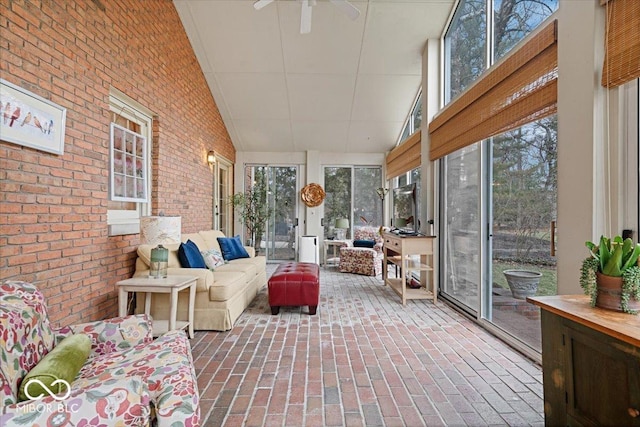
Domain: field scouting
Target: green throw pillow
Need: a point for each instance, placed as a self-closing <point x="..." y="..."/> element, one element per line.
<point x="62" y="363"/>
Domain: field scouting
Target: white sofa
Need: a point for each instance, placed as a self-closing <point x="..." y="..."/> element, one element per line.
<point x="221" y="295"/>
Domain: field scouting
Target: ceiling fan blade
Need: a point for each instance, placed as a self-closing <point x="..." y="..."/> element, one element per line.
<point x="351" y="11"/>
<point x="305" y="18"/>
<point x="261" y="3"/>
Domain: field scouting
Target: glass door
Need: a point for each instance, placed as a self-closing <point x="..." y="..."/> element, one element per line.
<point x="523" y="211"/>
<point x="280" y="235"/>
<point x="222" y="191"/>
<point x="462" y="228"/>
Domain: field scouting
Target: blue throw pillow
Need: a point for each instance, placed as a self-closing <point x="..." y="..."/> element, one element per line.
<point x="232" y="248"/>
<point x="364" y="244"/>
<point x="190" y="256"/>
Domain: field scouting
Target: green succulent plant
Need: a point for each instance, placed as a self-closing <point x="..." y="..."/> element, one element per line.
<point x="615" y="257"/>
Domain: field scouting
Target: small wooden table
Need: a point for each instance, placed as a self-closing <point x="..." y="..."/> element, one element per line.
<point x="170" y="285"/>
<point x="336" y="244"/>
<point x="398" y="250"/>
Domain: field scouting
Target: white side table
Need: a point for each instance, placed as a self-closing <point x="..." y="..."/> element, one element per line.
<point x="170" y="285"/>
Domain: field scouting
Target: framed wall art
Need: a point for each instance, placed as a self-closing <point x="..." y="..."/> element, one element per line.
<point x="29" y="120"/>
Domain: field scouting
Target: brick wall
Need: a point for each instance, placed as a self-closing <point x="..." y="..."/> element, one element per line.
<point x="53" y="209"/>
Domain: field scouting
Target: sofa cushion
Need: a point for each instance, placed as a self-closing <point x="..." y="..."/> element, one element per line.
<point x="247" y="268"/>
<point x="197" y="239"/>
<point x="61" y="363"/>
<point x="190" y="256"/>
<point x="210" y="237"/>
<point x="227" y="284"/>
<point x="213" y="258"/>
<point x="232" y="248"/>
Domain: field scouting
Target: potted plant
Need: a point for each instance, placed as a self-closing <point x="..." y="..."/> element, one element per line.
<point x="251" y="206"/>
<point x="611" y="275"/>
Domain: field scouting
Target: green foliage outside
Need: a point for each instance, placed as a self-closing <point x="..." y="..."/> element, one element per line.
<point x="548" y="282"/>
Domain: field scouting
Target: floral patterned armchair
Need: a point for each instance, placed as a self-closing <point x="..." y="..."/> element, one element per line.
<point x="128" y="380"/>
<point x="363" y="260"/>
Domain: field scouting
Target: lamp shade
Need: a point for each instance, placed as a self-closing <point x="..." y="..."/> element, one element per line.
<point x="160" y="229"/>
<point x="342" y="223"/>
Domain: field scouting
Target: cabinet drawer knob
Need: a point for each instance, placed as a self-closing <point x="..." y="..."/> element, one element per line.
<point x="633" y="412"/>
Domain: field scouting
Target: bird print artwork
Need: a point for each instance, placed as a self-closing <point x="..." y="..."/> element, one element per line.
<point x="50" y="127"/>
<point x="37" y="123"/>
<point x="15" y="116"/>
<point x="7" y="112"/>
<point x="27" y="119"/>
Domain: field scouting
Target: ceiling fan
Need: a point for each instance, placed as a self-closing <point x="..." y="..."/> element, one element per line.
<point x="305" y="16"/>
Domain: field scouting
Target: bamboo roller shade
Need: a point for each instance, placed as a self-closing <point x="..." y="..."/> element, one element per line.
<point x="622" y="43"/>
<point x="405" y="156"/>
<point x="521" y="89"/>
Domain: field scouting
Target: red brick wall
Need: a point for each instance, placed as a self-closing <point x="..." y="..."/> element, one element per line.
<point x="53" y="209"/>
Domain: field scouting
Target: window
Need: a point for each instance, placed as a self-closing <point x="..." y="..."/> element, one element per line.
<point x="498" y="195"/>
<point x="465" y="47"/>
<point x="130" y="163"/>
<point x="414" y="120"/>
<point x="127" y="172"/>
<point x="351" y="194"/>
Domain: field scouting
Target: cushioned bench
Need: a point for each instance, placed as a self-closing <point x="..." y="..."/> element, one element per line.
<point x="295" y="284"/>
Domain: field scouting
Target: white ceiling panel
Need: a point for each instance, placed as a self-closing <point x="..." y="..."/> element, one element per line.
<point x="320" y="96"/>
<point x="345" y="87"/>
<point x="320" y="135"/>
<point x="384" y="97"/>
<point x="373" y="136"/>
<point x="255" y="95"/>
<point x="236" y="38"/>
<point x="329" y="48"/>
<point x="265" y="135"/>
<point x="396" y="36"/>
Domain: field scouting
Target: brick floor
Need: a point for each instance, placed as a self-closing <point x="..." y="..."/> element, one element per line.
<point x="363" y="360"/>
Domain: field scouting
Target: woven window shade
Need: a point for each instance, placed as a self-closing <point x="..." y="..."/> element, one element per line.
<point x="622" y="43"/>
<point x="405" y="156"/>
<point x="521" y="89"/>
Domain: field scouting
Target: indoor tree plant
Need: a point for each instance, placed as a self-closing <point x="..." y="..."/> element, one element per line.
<point x="612" y="273"/>
<point x="252" y="208"/>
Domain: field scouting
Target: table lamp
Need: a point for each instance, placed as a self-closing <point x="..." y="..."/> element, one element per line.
<point x="156" y="230"/>
<point x="342" y="224"/>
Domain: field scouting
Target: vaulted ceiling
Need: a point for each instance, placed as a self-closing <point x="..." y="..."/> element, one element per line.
<point x="347" y="86"/>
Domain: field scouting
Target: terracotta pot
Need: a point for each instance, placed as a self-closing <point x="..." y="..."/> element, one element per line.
<point x="609" y="290"/>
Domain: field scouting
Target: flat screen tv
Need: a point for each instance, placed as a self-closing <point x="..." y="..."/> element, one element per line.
<point x="405" y="209"/>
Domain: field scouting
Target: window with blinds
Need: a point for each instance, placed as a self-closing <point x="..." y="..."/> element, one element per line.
<point x="519" y="90"/>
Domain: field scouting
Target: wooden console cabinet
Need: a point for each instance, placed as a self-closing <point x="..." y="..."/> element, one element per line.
<point x="398" y="250"/>
<point x="590" y="362"/>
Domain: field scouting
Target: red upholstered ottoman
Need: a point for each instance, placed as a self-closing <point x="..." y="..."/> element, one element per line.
<point x="295" y="284"/>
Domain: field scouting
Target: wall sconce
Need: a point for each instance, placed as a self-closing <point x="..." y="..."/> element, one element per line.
<point x="211" y="157"/>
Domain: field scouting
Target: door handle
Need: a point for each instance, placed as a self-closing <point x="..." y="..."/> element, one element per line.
<point x="553" y="238"/>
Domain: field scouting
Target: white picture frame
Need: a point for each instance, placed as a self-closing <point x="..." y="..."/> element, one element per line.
<point x="31" y="121"/>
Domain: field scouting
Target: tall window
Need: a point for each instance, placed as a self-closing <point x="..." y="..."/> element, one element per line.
<point x="351" y="194"/>
<point x="414" y="120"/>
<point x="498" y="195"/>
<point x="123" y="217"/>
